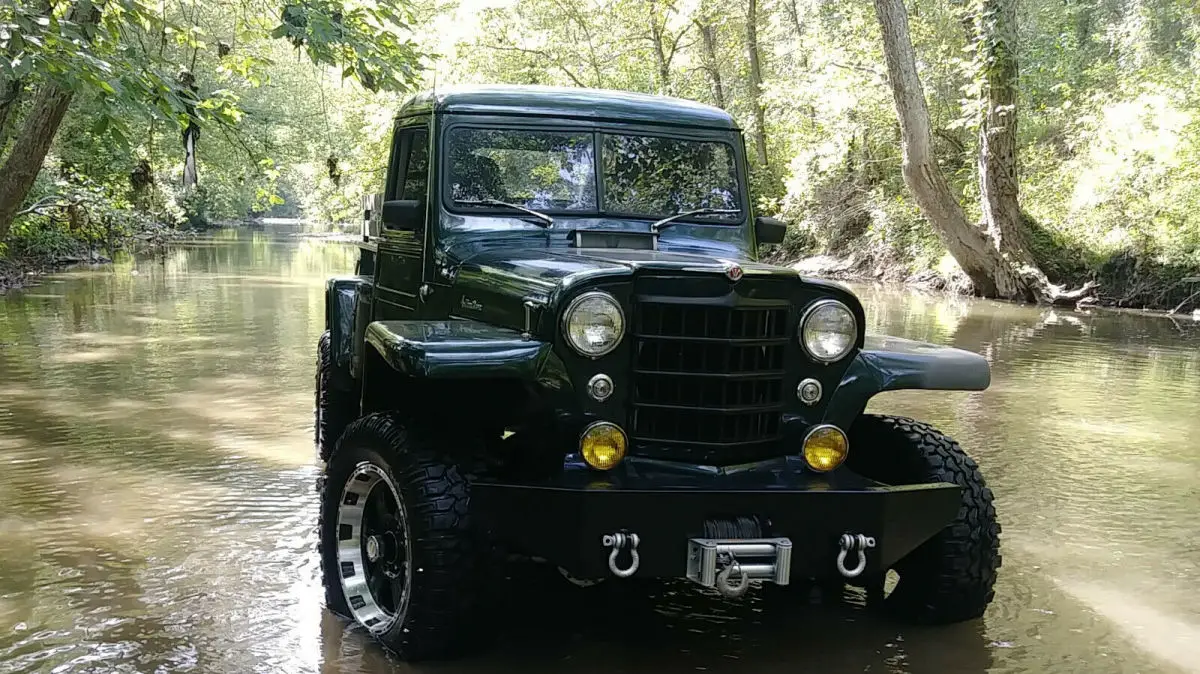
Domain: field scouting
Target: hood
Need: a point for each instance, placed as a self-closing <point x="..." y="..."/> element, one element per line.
<point x="493" y="285"/>
<point x="567" y="267"/>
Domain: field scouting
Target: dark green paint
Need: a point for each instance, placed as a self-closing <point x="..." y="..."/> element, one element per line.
<point x="456" y="349"/>
<point x="894" y="364"/>
<point x="480" y="295"/>
<point x="341" y="301"/>
<point x="568" y="103"/>
<point x="501" y="279"/>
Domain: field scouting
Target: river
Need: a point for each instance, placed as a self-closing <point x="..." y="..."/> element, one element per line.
<point x="157" y="508"/>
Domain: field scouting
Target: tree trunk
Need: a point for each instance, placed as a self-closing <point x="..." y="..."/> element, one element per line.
<point x="191" y="178"/>
<point x="10" y="96"/>
<point x="998" y="129"/>
<point x="41" y="124"/>
<point x="191" y="132"/>
<point x="712" y="64"/>
<point x="752" y="53"/>
<point x="657" y="32"/>
<point x="998" y="186"/>
<point x="11" y="91"/>
<point x="25" y="160"/>
<point x="793" y="15"/>
<point x="999" y="266"/>
<point x="973" y="251"/>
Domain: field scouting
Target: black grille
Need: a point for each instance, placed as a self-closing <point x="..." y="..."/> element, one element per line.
<point x="708" y="381"/>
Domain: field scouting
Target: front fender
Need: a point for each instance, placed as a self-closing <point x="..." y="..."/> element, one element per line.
<point x="457" y="349"/>
<point x="344" y="296"/>
<point x="893" y="363"/>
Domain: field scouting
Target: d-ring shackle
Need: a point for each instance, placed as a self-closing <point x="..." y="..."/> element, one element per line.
<point x="851" y="543"/>
<point x="617" y="542"/>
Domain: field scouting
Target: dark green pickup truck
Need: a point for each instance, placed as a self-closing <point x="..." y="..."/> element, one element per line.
<point x="558" y="342"/>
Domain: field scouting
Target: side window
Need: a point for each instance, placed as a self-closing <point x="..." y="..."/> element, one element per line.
<point x="411" y="163"/>
<point x="416" y="177"/>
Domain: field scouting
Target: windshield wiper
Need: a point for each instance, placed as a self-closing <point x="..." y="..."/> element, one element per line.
<point x="659" y="226"/>
<point x="496" y="202"/>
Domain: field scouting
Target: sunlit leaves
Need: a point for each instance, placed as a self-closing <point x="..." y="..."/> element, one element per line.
<point x="369" y="42"/>
<point x="247" y="66"/>
<point x="131" y="59"/>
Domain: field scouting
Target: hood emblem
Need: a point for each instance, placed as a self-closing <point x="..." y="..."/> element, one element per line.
<point x="733" y="272"/>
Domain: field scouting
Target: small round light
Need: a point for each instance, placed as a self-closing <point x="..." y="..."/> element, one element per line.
<point x="828" y="330"/>
<point x="825" y="448"/>
<point x="809" y="391"/>
<point x="594" y="323"/>
<point x="602" y="445"/>
<point x="600" y="387"/>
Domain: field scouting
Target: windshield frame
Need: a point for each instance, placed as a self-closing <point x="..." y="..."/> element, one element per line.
<point x="597" y="130"/>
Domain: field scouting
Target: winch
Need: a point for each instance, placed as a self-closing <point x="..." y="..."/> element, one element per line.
<point x="729" y="564"/>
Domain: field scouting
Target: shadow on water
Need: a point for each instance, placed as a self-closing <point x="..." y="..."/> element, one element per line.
<point x="544" y="624"/>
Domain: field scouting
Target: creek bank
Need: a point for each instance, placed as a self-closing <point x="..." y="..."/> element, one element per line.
<point x="865" y="268"/>
<point x="22" y="271"/>
<point x="1150" y="291"/>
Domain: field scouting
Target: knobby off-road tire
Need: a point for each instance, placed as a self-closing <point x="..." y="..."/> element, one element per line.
<point x="950" y="577"/>
<point x="336" y="406"/>
<point x="443" y="576"/>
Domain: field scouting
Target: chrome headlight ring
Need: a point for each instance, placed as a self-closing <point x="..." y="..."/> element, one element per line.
<point x="809" y="349"/>
<point x="569" y="314"/>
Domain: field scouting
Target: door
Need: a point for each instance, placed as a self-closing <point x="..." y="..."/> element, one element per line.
<point x="399" y="275"/>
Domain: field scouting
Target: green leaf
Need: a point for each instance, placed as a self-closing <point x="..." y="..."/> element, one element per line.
<point x="117" y="135"/>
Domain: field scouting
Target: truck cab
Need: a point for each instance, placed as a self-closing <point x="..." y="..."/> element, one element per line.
<point x="559" y="339"/>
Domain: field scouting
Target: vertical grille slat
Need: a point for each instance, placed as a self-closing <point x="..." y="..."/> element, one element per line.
<point x="708" y="381"/>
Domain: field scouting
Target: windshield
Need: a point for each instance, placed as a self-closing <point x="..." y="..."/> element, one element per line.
<point x="554" y="171"/>
<point x="543" y="170"/>
<point x="656" y="176"/>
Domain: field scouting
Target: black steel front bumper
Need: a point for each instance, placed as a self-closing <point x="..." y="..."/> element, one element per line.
<point x="565" y="519"/>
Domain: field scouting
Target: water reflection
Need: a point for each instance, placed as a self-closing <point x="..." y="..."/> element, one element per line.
<point x="157" y="505"/>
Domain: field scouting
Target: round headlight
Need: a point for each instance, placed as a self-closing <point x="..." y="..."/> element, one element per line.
<point x="594" y="323"/>
<point x="828" y="331"/>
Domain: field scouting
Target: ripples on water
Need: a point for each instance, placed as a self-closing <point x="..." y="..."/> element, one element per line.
<point x="157" y="504"/>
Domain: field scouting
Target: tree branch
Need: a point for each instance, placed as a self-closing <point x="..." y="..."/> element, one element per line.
<point x="1184" y="302"/>
<point x="50" y="201"/>
<point x="870" y="71"/>
<point x="587" y="33"/>
<point x="545" y="55"/>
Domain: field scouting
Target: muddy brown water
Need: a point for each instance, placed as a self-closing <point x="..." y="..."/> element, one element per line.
<point x="157" y="503"/>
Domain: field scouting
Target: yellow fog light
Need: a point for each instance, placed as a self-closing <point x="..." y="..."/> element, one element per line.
<point x="602" y="445"/>
<point x="825" y="448"/>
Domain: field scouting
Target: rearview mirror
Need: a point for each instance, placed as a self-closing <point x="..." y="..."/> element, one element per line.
<point x="769" y="230"/>
<point x="403" y="214"/>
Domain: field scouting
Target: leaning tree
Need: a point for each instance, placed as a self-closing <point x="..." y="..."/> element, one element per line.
<point x="995" y="254"/>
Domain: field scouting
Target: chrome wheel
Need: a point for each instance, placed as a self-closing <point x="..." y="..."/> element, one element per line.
<point x="374" y="549"/>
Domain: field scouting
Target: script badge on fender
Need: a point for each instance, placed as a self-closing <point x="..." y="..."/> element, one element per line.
<point x="733" y="272"/>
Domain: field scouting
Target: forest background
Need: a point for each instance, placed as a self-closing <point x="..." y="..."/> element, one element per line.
<point x="1042" y="150"/>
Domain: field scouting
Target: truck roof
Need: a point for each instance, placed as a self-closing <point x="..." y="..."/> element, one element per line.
<point x="575" y="102"/>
